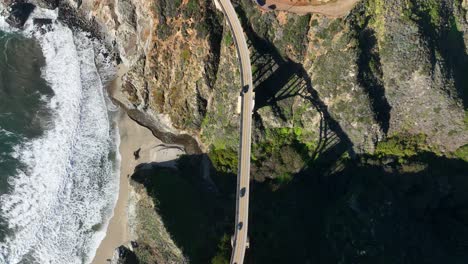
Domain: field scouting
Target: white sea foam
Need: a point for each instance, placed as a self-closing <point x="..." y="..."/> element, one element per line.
<point x="58" y="205"/>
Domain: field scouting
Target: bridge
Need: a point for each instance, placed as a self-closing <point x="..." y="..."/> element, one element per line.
<point x="240" y="239"/>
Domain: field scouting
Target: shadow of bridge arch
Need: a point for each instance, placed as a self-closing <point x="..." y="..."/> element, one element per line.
<point x="276" y="78"/>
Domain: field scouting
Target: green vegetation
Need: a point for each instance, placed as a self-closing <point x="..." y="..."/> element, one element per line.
<point x="407" y="11"/>
<point x="165" y="10"/>
<point x="276" y="138"/>
<point x="228" y="41"/>
<point x="224" y="158"/>
<point x="185" y="55"/>
<point x="329" y="31"/>
<point x="168" y="8"/>
<point x="403" y="146"/>
<point x="295" y="33"/>
<point x="224" y="250"/>
<point x="314" y="23"/>
<point x="284" y="178"/>
<point x="375" y="9"/>
<point x="281" y="152"/>
<point x="462" y="153"/>
<point x="163" y="30"/>
<point x="260" y="22"/>
<point x="465" y="120"/>
<point x="254" y="69"/>
<point x="192" y="9"/>
<point x="202" y="29"/>
<point x="432" y="8"/>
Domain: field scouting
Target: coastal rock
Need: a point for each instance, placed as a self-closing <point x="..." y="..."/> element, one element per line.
<point x="124" y="255"/>
<point x="155" y="244"/>
<point x="170" y="55"/>
<point x="425" y="90"/>
<point x="19" y="13"/>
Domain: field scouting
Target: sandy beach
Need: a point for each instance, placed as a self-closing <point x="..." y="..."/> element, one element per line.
<point x="133" y="137"/>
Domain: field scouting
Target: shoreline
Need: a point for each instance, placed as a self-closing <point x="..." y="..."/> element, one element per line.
<point x="133" y="137"/>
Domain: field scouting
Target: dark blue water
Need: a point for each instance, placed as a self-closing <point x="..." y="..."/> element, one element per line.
<point x="24" y="114"/>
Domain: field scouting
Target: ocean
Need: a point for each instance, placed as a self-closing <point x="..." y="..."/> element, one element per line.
<point x="59" y="163"/>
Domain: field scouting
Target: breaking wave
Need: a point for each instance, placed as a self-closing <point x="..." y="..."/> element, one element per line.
<point x="62" y="198"/>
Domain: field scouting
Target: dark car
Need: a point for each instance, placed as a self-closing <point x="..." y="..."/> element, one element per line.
<point x="245" y="89"/>
<point x="242" y="192"/>
<point x="240" y="225"/>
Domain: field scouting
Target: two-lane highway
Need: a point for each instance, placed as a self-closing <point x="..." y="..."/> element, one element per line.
<point x="240" y="239"/>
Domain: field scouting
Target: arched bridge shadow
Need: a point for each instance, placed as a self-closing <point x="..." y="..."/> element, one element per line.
<point x="276" y="78"/>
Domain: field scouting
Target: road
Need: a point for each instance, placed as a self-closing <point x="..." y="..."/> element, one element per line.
<point x="240" y="239"/>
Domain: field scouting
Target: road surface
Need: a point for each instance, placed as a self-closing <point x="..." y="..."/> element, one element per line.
<point x="240" y="239"/>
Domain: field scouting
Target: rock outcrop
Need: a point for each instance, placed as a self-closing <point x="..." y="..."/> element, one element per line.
<point x="171" y="54"/>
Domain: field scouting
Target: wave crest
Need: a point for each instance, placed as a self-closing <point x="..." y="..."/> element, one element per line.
<point x="69" y="185"/>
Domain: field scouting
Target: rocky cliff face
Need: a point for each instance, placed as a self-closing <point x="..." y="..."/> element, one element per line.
<point x="171" y="50"/>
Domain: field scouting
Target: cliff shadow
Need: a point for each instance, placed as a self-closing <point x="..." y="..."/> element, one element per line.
<point x="392" y="211"/>
<point x="195" y="216"/>
<point x="370" y="76"/>
<point x="416" y="211"/>
<point x="403" y="212"/>
<point x="199" y="220"/>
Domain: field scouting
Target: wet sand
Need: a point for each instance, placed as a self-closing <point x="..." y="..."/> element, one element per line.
<point x="132" y="137"/>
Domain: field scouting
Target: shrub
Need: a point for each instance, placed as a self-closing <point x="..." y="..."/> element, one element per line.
<point x="462" y="153"/>
<point x="222" y="257"/>
<point x="295" y="33"/>
<point x="466" y="120"/>
<point x="228" y="39"/>
<point x="402" y="146"/>
<point x="185" y="54"/>
<point x="224" y="158"/>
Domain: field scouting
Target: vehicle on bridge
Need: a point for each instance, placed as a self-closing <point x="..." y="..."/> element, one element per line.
<point x="242" y="192"/>
<point x="245" y="89"/>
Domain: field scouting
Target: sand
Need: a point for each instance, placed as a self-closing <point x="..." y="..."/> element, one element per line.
<point x="152" y="150"/>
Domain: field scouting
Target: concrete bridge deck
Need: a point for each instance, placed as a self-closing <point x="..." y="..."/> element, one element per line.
<point x="240" y="239"/>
